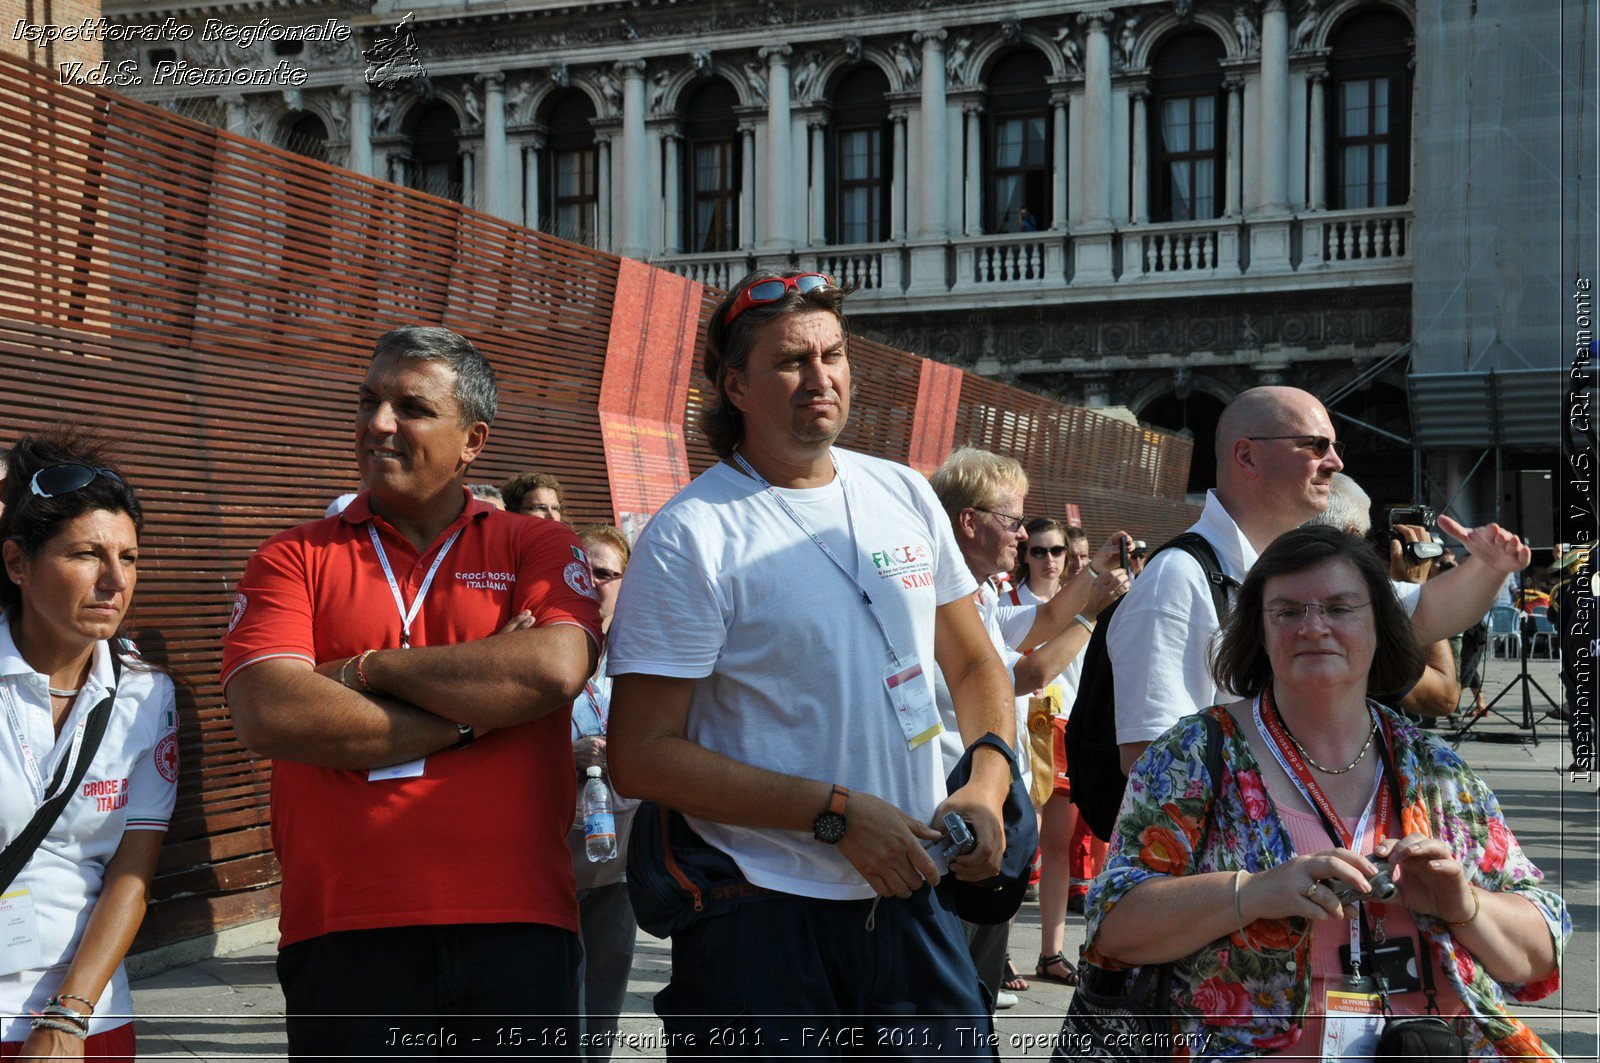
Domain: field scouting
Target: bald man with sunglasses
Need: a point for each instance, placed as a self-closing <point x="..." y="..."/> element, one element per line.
<point x="1277" y="452"/>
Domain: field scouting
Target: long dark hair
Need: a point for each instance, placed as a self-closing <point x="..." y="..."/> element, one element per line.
<point x="1241" y="663"/>
<point x="32" y="520"/>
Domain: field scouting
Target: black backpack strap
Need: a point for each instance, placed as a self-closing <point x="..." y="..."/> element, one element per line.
<point x="1214" y="741"/>
<point x="24" y="845"/>
<point x="1199" y="547"/>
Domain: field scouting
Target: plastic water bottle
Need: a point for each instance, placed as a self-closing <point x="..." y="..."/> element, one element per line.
<point x="599" y="825"/>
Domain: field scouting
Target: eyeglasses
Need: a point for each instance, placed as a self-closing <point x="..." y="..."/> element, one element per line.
<point x="52" y="481"/>
<point x="770" y="291"/>
<point x="1042" y="552"/>
<point x="604" y="575"/>
<point x="1293" y="614"/>
<point x="1013" y="523"/>
<point x="1318" y="445"/>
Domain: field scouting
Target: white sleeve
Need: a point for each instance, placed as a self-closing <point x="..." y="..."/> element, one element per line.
<point x="1159" y="644"/>
<point x="153" y="779"/>
<point x="1015" y="621"/>
<point x="671" y="619"/>
<point x="1409" y="594"/>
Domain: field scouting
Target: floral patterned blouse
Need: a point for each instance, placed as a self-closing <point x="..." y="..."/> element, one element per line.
<point x="1248" y="997"/>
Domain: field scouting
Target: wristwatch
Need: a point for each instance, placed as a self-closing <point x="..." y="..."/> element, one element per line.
<point x="828" y="827"/>
<point x="465" y="735"/>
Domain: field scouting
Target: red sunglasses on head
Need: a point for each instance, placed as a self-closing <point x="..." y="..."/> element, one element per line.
<point x="770" y="291"/>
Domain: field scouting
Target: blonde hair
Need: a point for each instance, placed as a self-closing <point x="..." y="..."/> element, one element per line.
<point x="972" y="479"/>
<point x="605" y="533"/>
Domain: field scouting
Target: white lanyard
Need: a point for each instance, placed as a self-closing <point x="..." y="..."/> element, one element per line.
<point x="801" y="524"/>
<point x="596" y="708"/>
<point x="29" y="761"/>
<point x="408" y="615"/>
<point x="1361" y="824"/>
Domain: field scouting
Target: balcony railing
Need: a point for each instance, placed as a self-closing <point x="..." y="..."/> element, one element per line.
<point x="1010" y="260"/>
<point x="869" y="267"/>
<point x="716" y="270"/>
<point x="1191" y="247"/>
<point x="1351" y="236"/>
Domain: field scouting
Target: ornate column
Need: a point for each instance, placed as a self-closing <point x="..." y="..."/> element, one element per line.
<point x="532" y="209"/>
<point x="602" y="222"/>
<point x="1274" y="135"/>
<point x="780" y="137"/>
<point x="654" y="190"/>
<point x="672" y="153"/>
<point x="1058" y="162"/>
<point x="494" y="143"/>
<point x="931" y="218"/>
<point x="747" y="184"/>
<point x="1097" y="118"/>
<point x="631" y="236"/>
<point x="973" y="109"/>
<point x="1317" y="162"/>
<point x="897" y="185"/>
<point x="359" y="101"/>
<point x="1140" y="178"/>
<point x="1233" y="179"/>
<point x="237" y="118"/>
<point x="817" y="125"/>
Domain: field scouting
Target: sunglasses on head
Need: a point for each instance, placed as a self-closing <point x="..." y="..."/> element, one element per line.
<point x="770" y="291"/>
<point x="1042" y="552"/>
<point x="1318" y="445"/>
<point x="52" y="481"/>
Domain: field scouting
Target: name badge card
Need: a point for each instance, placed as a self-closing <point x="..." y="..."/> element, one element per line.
<point x="912" y="696"/>
<point x="20" y="949"/>
<point x="411" y="769"/>
<point x="1354" y="1024"/>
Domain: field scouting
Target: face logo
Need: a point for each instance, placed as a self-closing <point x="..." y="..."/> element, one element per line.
<point x="579" y="578"/>
<point x="167" y="757"/>
<point x="240" y="603"/>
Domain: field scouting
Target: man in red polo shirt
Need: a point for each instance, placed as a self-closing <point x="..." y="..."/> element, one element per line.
<point x="409" y="665"/>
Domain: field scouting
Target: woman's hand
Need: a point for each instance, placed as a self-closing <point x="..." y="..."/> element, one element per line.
<point x="1429" y="879"/>
<point x="51" y="1044"/>
<point x="1297" y="887"/>
<point x="589" y="752"/>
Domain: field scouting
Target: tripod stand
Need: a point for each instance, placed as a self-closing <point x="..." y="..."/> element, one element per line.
<point x="1522" y="682"/>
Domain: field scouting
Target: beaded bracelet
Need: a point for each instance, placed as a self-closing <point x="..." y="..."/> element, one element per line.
<point x="361" y="670"/>
<point x="46" y="1022"/>
<point x="60" y="998"/>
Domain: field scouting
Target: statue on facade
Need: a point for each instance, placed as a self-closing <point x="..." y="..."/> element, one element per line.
<point x="957" y="62"/>
<point x="560" y="76"/>
<point x="383" y="111"/>
<point x="1011" y="30"/>
<point x="630" y="32"/>
<point x="474" y="109"/>
<point x="658" y="89"/>
<point x="852" y="48"/>
<point x="1306" y="27"/>
<point x="1070" y="52"/>
<point x="807" y="74"/>
<point x="517" y="100"/>
<point x="611" y="91"/>
<point x="702" y="63"/>
<point x="1249" y="40"/>
<point x="907" y="63"/>
<point x="757" y="79"/>
<point x="1127" y="39"/>
<point x="1183" y="9"/>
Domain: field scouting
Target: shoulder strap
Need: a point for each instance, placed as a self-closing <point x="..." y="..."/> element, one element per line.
<point x="1214" y="770"/>
<point x="1199" y="547"/>
<point x="24" y="845"/>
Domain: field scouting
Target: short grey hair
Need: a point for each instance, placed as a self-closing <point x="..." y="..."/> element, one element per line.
<point x="476" y="392"/>
<point x="487" y="492"/>
<point x="1349" y="507"/>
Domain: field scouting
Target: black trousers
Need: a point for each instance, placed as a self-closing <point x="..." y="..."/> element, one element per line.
<point x="505" y="990"/>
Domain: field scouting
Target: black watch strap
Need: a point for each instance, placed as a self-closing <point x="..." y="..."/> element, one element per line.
<point x="465" y="736"/>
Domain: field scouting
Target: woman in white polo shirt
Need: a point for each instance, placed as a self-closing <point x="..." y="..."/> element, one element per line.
<point x="89" y="757"/>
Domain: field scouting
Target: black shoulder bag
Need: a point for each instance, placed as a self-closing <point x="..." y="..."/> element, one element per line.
<point x="24" y="845"/>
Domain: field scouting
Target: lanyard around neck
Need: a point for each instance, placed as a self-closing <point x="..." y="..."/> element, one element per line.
<point x="1276" y="736"/>
<point x="407" y="616"/>
<point x="30" y="761"/>
<point x="800" y="523"/>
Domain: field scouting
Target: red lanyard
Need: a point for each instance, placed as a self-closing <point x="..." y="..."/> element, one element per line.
<point x="1288" y="755"/>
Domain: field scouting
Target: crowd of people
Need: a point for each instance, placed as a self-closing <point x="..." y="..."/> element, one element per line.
<point x="833" y="694"/>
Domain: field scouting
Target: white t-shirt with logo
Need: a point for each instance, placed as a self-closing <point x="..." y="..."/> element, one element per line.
<point x="723" y="588"/>
<point x="131" y="784"/>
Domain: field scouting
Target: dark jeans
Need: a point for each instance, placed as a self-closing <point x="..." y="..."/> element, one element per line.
<point x="608" y="933"/>
<point x="788" y="976"/>
<point x="508" y="990"/>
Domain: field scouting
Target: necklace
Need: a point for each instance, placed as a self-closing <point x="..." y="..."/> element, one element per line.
<point x="64" y="693"/>
<point x="1334" y="771"/>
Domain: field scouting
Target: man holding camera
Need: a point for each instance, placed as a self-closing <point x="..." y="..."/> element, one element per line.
<point x="1276" y="455"/>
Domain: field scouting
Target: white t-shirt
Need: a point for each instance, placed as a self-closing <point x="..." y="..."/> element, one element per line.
<point x="723" y="588"/>
<point x="1068" y="679"/>
<point x="988" y="602"/>
<point x="131" y="784"/>
<point x="1160" y="635"/>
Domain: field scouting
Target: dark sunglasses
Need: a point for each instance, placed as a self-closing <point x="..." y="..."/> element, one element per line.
<point x="1318" y="445"/>
<point x="1042" y="552"/>
<point x="604" y="575"/>
<point x="52" y="481"/>
<point x="773" y="290"/>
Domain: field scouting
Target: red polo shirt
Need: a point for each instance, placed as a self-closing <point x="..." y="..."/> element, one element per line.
<point x="480" y="836"/>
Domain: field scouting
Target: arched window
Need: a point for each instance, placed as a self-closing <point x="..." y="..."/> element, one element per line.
<point x="1017" y="195"/>
<point x="1186" y="129"/>
<point x="571" y="198"/>
<point x="304" y="134"/>
<point x="435" y="152"/>
<point x="1370" y="120"/>
<point x="711" y="193"/>
<point x="859" y="158"/>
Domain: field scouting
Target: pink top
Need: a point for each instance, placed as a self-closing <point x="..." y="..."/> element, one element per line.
<point x="1308" y="836"/>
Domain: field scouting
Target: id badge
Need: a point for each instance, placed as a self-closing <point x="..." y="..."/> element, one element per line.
<point x="1396" y="960"/>
<point x="1353" y="1025"/>
<point x="20" y="948"/>
<point x="911" y="694"/>
<point x="411" y="769"/>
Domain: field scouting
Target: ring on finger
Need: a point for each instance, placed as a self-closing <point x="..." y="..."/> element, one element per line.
<point x="1310" y="892"/>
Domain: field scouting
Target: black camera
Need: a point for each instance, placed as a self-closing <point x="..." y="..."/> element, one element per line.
<point x="1415" y="553"/>
<point x="961" y="840"/>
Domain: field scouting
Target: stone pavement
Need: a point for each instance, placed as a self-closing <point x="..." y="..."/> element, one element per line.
<point x="229" y="1007"/>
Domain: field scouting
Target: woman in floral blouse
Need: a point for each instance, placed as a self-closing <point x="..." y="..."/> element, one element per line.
<point x="1267" y="959"/>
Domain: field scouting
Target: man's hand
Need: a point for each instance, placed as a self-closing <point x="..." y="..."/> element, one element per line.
<point x="1491" y="545"/>
<point x="1400" y="567"/>
<point x="885" y="846"/>
<point x="1109" y="556"/>
<point x="1107" y="588"/>
<point x="982" y="811"/>
<point x="589" y="752"/>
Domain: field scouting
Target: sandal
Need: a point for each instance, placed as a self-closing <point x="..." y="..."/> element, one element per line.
<point x="1013" y="982"/>
<point x="1046" y="963"/>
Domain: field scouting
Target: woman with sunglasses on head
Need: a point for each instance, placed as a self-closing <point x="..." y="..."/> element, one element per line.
<point x="604" y="911"/>
<point x="1265" y="885"/>
<point x="89" y="762"/>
